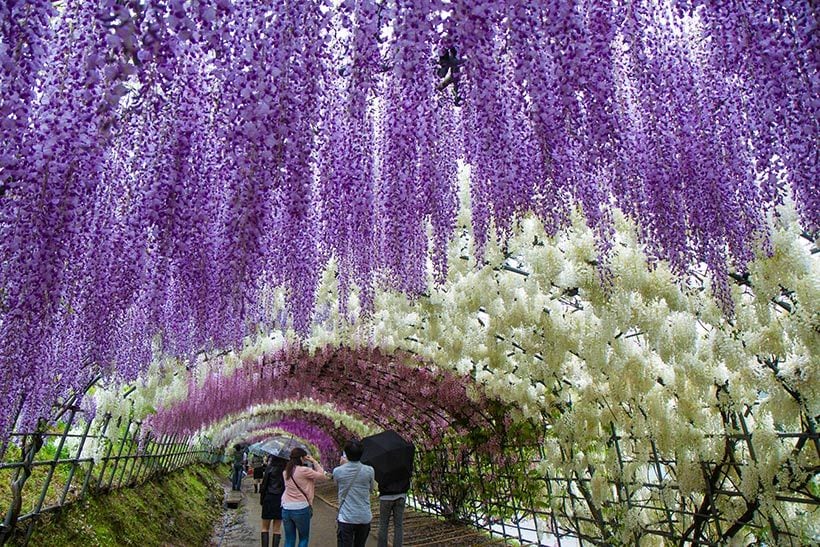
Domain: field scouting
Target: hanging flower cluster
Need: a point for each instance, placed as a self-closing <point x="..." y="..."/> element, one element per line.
<point x="165" y="164"/>
<point x="656" y="363"/>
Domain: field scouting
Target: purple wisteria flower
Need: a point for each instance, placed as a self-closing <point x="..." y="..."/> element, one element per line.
<point x="164" y="164"/>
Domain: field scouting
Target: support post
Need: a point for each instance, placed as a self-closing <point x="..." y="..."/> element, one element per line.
<point x="119" y="454"/>
<point x="107" y="454"/>
<point x="54" y="461"/>
<point x="74" y="463"/>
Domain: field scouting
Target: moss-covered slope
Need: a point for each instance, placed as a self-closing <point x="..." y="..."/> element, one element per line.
<point x="177" y="510"/>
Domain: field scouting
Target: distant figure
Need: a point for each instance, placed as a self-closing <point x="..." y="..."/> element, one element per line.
<point x="355" y="480"/>
<point x="270" y="496"/>
<point x="258" y="470"/>
<point x="238" y="467"/>
<point x="297" y="501"/>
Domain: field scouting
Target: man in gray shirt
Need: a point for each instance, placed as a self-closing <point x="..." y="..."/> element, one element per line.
<point x="356" y="481"/>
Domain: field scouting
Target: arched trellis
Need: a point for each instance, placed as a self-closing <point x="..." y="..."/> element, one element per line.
<point x="258" y="435"/>
<point x="331" y="433"/>
<point x="452" y="430"/>
<point x="220" y="432"/>
<point x="388" y="390"/>
<point x="292" y="422"/>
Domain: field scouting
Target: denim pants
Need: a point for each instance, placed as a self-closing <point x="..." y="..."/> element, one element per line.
<point x="236" y="482"/>
<point x="294" y="520"/>
<point x="352" y="535"/>
<point x="395" y="508"/>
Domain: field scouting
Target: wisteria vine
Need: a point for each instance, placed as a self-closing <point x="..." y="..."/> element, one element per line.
<point x="165" y="164"/>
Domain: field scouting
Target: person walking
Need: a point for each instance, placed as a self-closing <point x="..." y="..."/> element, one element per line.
<point x="258" y="470"/>
<point x="356" y="481"/>
<point x="297" y="501"/>
<point x="270" y="496"/>
<point x="392" y="498"/>
<point x="238" y="468"/>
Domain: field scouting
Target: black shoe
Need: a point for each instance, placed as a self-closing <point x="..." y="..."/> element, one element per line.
<point x="276" y="539"/>
<point x="265" y="539"/>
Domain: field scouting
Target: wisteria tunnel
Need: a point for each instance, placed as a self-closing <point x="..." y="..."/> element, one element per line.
<point x="568" y="248"/>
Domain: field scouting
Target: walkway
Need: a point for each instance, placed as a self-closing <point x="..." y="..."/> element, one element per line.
<point x="240" y="527"/>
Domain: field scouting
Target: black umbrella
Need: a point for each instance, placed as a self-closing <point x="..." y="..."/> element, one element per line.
<point x="390" y="455"/>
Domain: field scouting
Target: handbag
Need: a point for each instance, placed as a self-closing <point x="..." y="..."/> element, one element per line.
<point x="310" y="506"/>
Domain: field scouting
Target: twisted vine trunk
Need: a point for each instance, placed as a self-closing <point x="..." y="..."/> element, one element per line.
<point x="31" y="446"/>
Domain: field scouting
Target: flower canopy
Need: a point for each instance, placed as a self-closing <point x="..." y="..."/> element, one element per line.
<point x="166" y="165"/>
<point x="532" y="391"/>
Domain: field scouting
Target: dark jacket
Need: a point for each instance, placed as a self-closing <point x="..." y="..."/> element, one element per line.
<point x="273" y="482"/>
<point x="397" y="487"/>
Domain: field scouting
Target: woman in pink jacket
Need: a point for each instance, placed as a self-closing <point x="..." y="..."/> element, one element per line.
<point x="297" y="501"/>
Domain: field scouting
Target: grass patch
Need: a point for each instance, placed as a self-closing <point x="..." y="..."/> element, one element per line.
<point x="179" y="509"/>
<point x="39" y="474"/>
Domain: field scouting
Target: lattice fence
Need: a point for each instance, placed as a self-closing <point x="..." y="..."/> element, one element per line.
<point x="45" y="470"/>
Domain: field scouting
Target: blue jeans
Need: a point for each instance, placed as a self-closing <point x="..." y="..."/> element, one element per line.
<point x="293" y="520"/>
<point x="236" y="482"/>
